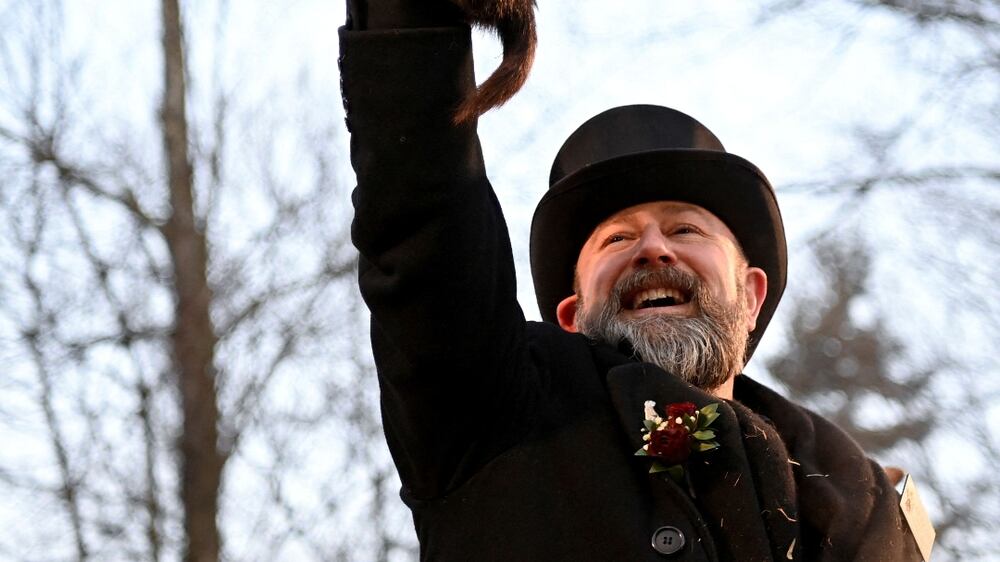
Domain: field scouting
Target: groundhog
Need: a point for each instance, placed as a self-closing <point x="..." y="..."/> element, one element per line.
<point x="514" y="23"/>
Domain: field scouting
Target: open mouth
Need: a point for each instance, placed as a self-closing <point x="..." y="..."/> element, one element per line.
<point x="659" y="297"/>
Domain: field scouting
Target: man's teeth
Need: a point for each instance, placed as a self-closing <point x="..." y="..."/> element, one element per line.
<point x="649" y="297"/>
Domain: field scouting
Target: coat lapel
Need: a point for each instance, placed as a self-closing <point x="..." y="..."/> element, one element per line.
<point x="722" y="481"/>
<point x="632" y="384"/>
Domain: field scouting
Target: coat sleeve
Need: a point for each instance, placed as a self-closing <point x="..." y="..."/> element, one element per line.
<point x="435" y="266"/>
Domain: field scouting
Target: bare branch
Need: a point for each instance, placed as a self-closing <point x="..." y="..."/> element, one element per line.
<point x="69" y="490"/>
<point x="251" y="309"/>
<point x="151" y="500"/>
<point x="863" y="184"/>
<point x="925" y="12"/>
<point x="74" y="176"/>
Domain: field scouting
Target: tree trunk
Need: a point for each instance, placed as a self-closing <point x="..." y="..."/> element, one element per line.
<point x="193" y="338"/>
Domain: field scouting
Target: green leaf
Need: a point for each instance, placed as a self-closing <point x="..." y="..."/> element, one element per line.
<point x="641" y="453"/>
<point x="704" y="435"/>
<point x="706" y="419"/>
<point x="707" y="446"/>
<point x="710" y="409"/>
<point x="676" y="473"/>
<point x="650" y="425"/>
<point x="658" y="467"/>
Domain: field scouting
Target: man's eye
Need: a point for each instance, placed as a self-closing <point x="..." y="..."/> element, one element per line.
<point x="617" y="237"/>
<point x="685" y="229"/>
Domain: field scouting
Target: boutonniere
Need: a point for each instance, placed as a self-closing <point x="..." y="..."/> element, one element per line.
<point x="670" y="440"/>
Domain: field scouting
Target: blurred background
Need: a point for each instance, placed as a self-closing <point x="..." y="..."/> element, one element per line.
<point x="186" y="372"/>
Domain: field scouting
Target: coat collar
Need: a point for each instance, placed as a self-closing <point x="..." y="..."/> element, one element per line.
<point x="724" y="483"/>
<point x="631" y="384"/>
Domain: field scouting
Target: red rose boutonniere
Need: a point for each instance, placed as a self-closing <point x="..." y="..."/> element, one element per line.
<point x="670" y="440"/>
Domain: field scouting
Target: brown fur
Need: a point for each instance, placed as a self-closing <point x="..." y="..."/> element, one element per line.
<point x="514" y="22"/>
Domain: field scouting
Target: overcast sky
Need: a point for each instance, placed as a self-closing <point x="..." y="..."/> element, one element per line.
<point x="788" y="94"/>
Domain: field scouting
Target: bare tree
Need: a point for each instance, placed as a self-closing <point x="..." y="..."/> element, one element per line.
<point x="193" y="340"/>
<point x="845" y="367"/>
<point x="935" y="163"/>
<point x="188" y="366"/>
<point x="93" y="402"/>
<point x="909" y="241"/>
<point x="844" y="361"/>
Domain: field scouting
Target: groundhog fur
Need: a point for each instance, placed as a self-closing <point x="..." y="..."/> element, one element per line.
<point x="514" y="23"/>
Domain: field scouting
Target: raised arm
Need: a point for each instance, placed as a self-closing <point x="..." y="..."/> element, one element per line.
<point x="436" y="268"/>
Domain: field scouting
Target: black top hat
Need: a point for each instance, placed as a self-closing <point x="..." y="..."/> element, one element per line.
<point x="636" y="154"/>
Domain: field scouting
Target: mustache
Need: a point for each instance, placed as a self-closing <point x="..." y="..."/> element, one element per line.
<point x="649" y="278"/>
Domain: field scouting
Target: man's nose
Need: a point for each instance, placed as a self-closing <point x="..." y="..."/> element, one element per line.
<point x="654" y="249"/>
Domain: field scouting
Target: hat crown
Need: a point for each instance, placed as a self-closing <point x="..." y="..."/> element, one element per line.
<point x="630" y="129"/>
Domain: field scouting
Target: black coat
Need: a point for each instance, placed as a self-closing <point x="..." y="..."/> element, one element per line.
<point x="514" y="440"/>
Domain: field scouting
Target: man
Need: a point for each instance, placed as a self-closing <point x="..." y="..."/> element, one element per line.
<point x="671" y="278"/>
<point x="517" y="440"/>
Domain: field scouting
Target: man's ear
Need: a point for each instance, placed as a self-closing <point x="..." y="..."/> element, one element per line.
<point x="755" y="289"/>
<point x="566" y="313"/>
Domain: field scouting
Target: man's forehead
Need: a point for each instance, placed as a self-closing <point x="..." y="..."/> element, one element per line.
<point x="663" y="208"/>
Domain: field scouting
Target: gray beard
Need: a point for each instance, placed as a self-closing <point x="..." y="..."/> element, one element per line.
<point x="705" y="350"/>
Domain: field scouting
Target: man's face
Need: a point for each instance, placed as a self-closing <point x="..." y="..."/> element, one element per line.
<point x="662" y="273"/>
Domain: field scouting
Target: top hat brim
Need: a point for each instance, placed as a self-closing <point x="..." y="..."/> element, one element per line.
<point x="728" y="186"/>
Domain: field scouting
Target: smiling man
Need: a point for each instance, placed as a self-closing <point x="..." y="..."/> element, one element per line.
<point x="620" y="428"/>
<point x="649" y="201"/>
<point x="670" y="279"/>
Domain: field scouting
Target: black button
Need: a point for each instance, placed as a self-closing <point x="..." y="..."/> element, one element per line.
<point x="668" y="540"/>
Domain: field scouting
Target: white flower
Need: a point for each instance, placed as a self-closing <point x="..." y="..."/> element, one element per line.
<point x="650" y="412"/>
